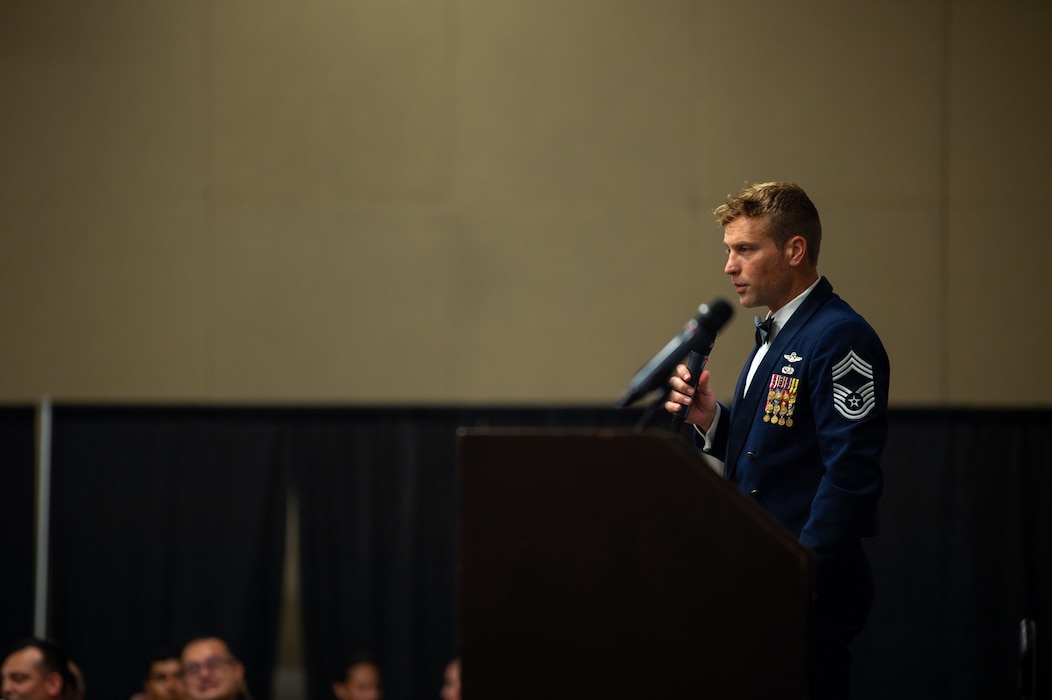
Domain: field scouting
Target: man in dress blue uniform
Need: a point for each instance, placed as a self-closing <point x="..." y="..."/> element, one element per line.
<point x="809" y="418"/>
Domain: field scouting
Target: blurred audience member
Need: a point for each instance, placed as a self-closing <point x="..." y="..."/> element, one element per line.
<point x="211" y="672"/>
<point x="37" y="669"/>
<point x="164" y="678"/>
<point x="451" y="681"/>
<point x="76" y="692"/>
<point x="357" y="679"/>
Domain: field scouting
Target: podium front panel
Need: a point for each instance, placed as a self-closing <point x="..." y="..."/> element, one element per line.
<point x="606" y="563"/>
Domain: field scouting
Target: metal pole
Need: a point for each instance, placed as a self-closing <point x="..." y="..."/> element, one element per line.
<point x="43" y="516"/>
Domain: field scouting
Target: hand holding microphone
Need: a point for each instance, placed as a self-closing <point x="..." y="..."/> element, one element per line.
<point x="689" y="391"/>
<point x="698" y="335"/>
<point x="695" y="364"/>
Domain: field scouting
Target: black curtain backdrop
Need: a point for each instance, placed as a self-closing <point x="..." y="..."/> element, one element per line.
<point x="377" y="499"/>
<point x="378" y="518"/>
<point x="169" y="523"/>
<point x="17" y="521"/>
<point x="962" y="556"/>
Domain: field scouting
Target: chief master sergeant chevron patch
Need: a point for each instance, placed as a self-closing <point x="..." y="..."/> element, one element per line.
<point x="853" y="392"/>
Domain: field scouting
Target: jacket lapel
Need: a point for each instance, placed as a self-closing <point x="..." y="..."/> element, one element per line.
<point x="746" y="409"/>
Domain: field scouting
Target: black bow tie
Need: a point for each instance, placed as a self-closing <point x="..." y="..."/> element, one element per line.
<point x="763" y="329"/>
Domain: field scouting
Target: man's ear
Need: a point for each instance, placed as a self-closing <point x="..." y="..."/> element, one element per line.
<point x="340" y="690"/>
<point x="53" y="684"/>
<point x="796" y="248"/>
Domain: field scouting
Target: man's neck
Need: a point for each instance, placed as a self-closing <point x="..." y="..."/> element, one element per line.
<point x="786" y="310"/>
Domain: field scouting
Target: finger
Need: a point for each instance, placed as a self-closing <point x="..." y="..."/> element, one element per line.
<point x="678" y="398"/>
<point x="678" y="386"/>
<point x="681" y="379"/>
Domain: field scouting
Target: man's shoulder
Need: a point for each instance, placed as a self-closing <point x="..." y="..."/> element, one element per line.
<point x="832" y="309"/>
<point x="836" y="332"/>
<point x="838" y="309"/>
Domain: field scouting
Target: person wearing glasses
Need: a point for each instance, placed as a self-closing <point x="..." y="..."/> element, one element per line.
<point x="211" y="672"/>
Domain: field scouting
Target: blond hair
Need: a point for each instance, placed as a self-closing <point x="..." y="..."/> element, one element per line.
<point x="785" y="207"/>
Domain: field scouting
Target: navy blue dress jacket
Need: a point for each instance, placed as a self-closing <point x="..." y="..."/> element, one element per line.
<point x="806" y="440"/>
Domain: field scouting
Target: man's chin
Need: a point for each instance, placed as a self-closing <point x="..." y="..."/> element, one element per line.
<point x="214" y="693"/>
<point x="746" y="300"/>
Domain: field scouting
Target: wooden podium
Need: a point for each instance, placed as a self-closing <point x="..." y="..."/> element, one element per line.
<point x="612" y="564"/>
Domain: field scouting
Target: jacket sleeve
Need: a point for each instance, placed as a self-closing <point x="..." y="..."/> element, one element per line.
<point x="717" y="442"/>
<point x="849" y="395"/>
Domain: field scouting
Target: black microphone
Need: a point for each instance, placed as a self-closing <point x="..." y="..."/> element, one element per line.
<point x="699" y="334"/>
<point x="695" y="364"/>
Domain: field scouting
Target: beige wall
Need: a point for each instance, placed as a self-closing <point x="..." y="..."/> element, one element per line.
<point x="503" y="201"/>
